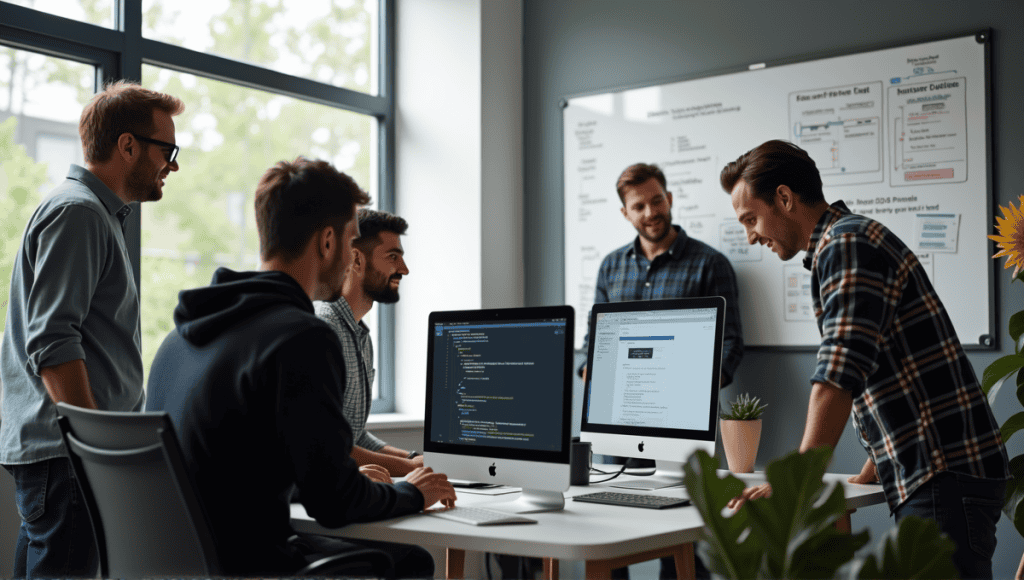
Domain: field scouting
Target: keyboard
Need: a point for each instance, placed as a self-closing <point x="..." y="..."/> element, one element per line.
<point x="479" y="516"/>
<point x="656" y="502"/>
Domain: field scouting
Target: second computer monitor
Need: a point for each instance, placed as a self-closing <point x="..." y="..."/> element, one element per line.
<point x="499" y="400"/>
<point x="653" y="374"/>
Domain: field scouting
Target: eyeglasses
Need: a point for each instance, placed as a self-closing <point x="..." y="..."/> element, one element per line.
<point x="170" y="149"/>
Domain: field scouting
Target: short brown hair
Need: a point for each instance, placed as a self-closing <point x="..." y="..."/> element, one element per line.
<point x="121" y="107"/>
<point x="771" y="164"/>
<point x="635" y="175"/>
<point x="372" y="223"/>
<point x="294" y="200"/>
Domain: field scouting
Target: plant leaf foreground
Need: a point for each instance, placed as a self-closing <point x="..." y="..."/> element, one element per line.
<point x="792" y="534"/>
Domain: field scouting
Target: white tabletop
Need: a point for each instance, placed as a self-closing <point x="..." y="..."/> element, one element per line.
<point x="582" y="531"/>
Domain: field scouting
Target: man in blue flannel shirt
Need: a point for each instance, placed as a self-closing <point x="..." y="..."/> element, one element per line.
<point x="888" y="352"/>
<point x="663" y="262"/>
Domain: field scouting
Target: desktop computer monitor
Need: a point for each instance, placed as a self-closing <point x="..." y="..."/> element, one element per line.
<point x="499" y="401"/>
<point x="653" y="374"/>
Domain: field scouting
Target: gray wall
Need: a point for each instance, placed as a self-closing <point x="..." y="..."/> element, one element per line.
<point x="583" y="46"/>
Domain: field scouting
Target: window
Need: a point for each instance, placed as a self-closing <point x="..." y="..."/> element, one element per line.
<point x="99" y="12"/>
<point x="262" y="81"/>
<point x="330" y="42"/>
<point x="41" y="98"/>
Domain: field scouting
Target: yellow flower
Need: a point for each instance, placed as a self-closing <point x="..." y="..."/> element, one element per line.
<point x="1011" y="236"/>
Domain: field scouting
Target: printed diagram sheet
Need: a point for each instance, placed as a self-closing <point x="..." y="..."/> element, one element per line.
<point x="929" y="128"/>
<point x="840" y="128"/>
<point x="735" y="246"/>
<point x="936" y="232"/>
<point x="799" y="304"/>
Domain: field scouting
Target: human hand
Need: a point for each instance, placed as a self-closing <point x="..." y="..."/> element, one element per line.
<point x="417" y="461"/>
<point x="376" y="473"/>
<point x="868" y="474"/>
<point x="756" y="492"/>
<point x="434" y="486"/>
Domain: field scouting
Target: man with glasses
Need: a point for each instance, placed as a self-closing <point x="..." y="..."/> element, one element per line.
<point x="72" y="332"/>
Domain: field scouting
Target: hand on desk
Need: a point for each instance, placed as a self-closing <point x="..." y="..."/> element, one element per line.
<point x="868" y="474"/>
<point x="434" y="486"/>
<point x="376" y="473"/>
<point x="756" y="492"/>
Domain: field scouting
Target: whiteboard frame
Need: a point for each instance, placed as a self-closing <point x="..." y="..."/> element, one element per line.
<point x="987" y="342"/>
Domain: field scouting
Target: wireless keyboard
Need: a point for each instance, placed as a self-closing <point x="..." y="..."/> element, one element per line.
<point x="479" y="516"/>
<point x="656" y="502"/>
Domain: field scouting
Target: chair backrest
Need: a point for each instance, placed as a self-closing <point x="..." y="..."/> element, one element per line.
<point x="147" y="519"/>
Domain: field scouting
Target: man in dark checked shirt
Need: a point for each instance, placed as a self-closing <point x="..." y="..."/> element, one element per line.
<point x="663" y="262"/>
<point x="888" y="352"/>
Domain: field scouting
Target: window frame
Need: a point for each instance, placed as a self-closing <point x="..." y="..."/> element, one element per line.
<point x="121" y="51"/>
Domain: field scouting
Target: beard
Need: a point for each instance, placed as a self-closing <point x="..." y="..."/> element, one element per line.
<point x="663" y="221"/>
<point x="378" y="287"/>
<point x="142" y="181"/>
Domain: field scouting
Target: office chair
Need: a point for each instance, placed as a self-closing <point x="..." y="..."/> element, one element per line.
<point x="147" y="519"/>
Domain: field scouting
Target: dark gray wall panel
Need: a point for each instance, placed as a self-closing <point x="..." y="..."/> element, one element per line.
<point x="591" y="45"/>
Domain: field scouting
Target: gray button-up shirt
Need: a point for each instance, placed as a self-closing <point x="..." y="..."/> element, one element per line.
<point x="357" y="346"/>
<point x="72" y="296"/>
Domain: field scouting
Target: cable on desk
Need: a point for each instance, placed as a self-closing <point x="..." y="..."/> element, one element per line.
<point x="606" y="473"/>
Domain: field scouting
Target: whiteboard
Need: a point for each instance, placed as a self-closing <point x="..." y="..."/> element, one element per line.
<point x="899" y="134"/>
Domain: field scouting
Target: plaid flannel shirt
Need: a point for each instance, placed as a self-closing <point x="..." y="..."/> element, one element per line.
<point x="689" y="269"/>
<point x="886" y="338"/>
<point x="357" y="347"/>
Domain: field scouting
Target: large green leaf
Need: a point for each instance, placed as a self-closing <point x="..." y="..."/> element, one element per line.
<point x="1012" y="425"/>
<point x="733" y="552"/>
<point x="1013" y="505"/>
<point x="913" y="549"/>
<point x="1017" y="328"/>
<point x="1020" y="387"/>
<point x="995" y="373"/>
<point x="797" y="523"/>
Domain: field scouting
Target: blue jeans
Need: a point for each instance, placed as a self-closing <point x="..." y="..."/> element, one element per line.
<point x="56" y="538"/>
<point x="966" y="509"/>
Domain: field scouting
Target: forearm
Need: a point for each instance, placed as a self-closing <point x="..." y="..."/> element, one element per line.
<point x="69" y="383"/>
<point x="393" y="451"/>
<point x="396" y="466"/>
<point x="827" y="413"/>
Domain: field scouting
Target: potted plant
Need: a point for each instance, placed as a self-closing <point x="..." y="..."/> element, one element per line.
<point x="1011" y="245"/>
<point x="741" y="432"/>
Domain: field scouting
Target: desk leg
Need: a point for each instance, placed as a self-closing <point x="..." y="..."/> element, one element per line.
<point x="550" y="568"/>
<point x="683" y="555"/>
<point x="455" y="563"/>
<point x="685" y="567"/>
<point x="845" y="524"/>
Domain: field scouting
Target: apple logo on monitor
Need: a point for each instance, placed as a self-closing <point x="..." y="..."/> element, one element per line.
<point x="492" y="470"/>
<point x="641" y="447"/>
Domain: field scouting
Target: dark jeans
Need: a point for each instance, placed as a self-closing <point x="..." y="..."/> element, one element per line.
<point x="966" y="509"/>
<point x="56" y="538"/>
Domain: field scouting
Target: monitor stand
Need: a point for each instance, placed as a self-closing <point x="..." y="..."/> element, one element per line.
<point x="531" y="501"/>
<point x="666" y="474"/>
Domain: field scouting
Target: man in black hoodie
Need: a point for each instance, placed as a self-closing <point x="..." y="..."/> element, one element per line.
<point x="250" y="375"/>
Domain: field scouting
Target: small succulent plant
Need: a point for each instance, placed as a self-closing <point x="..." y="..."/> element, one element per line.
<point x="744" y="408"/>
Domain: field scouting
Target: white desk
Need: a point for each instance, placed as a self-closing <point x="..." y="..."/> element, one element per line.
<point x="604" y="536"/>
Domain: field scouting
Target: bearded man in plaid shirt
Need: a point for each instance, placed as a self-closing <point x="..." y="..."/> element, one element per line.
<point x="888" y="352"/>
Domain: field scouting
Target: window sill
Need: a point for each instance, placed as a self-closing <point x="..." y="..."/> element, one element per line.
<point x="387" y="421"/>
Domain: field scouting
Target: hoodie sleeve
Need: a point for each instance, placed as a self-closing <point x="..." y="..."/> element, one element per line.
<point x="318" y="440"/>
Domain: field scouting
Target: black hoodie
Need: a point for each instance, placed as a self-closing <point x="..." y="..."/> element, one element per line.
<point x="251" y="378"/>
